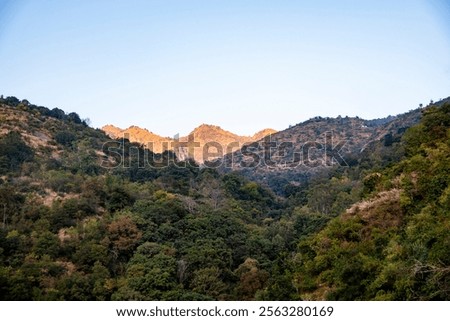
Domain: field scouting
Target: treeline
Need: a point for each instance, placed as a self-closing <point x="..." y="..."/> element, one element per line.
<point x="44" y="111"/>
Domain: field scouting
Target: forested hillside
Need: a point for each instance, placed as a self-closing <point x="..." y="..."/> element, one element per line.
<point x="394" y="244"/>
<point x="76" y="226"/>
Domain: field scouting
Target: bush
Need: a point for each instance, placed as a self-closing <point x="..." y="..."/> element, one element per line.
<point x="65" y="138"/>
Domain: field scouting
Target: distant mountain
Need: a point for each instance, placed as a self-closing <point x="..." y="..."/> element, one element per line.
<point x="210" y="136"/>
<point x="202" y="135"/>
<point x="301" y="151"/>
<point x="138" y="135"/>
<point x="295" y="154"/>
<point x="263" y="133"/>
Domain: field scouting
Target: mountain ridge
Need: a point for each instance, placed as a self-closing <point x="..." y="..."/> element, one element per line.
<point x="356" y="132"/>
<point x="203" y="134"/>
<point x="314" y="147"/>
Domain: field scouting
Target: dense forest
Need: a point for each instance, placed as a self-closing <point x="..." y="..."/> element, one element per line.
<point x="75" y="229"/>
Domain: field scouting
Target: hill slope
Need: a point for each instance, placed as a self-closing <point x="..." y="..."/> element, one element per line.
<point x="312" y="147"/>
<point x="394" y="244"/>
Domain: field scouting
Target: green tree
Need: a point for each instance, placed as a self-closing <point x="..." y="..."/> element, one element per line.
<point x="13" y="152"/>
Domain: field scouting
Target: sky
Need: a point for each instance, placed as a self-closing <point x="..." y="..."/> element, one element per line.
<point x="171" y="65"/>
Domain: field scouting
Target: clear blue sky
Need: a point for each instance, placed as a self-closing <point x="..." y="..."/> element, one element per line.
<point x="244" y="65"/>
